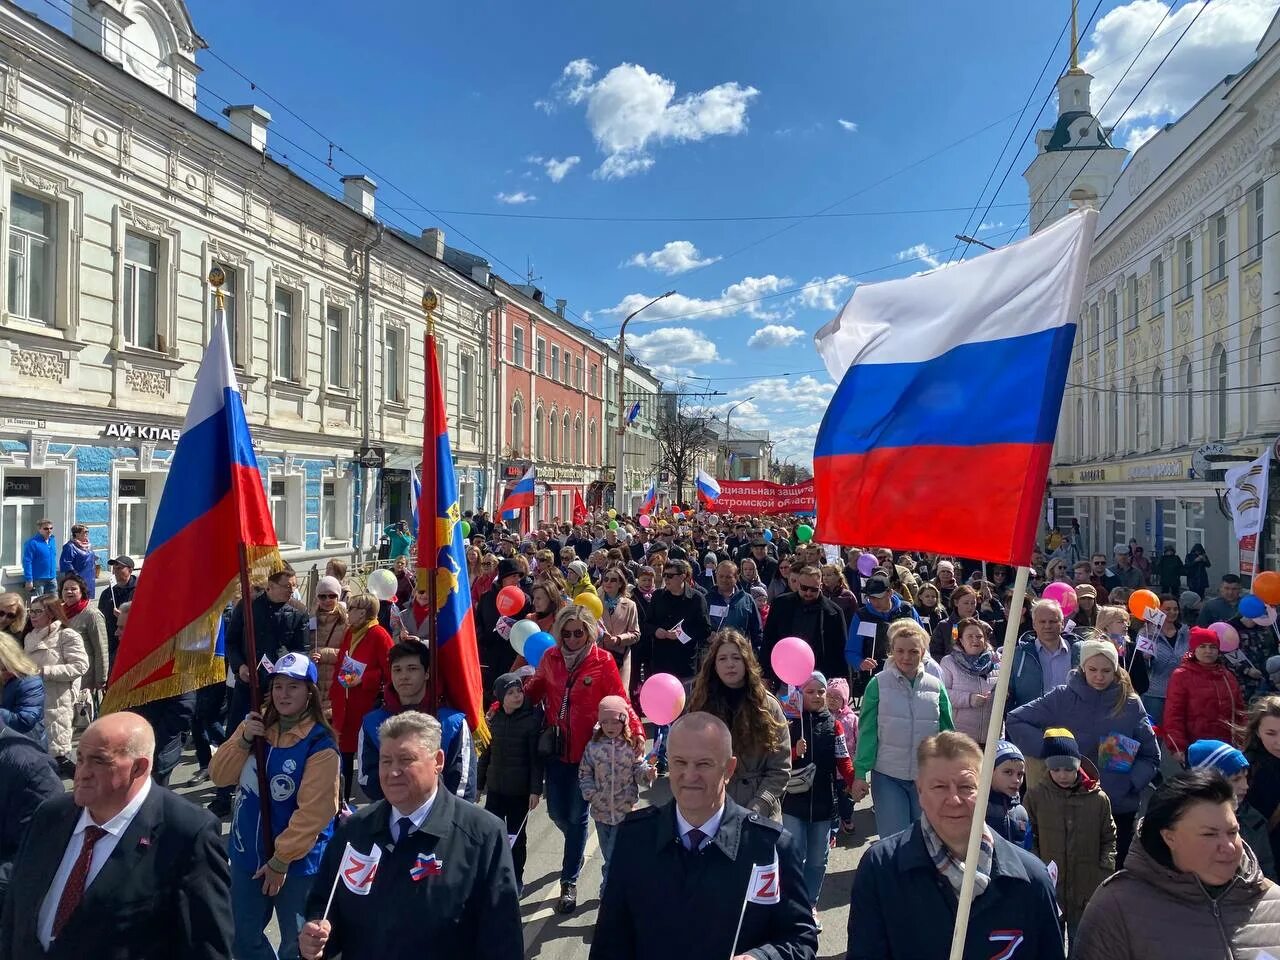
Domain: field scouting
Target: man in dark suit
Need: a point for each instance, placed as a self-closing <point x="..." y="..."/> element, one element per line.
<point x="444" y="887"/>
<point x="28" y="777"/>
<point x="120" y="869"/>
<point x="701" y="876"/>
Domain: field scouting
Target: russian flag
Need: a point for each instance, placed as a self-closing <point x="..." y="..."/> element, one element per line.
<point x="940" y="434"/>
<point x="633" y="412"/>
<point x="707" y="486"/>
<point x="521" y="496"/>
<point x="213" y="501"/>
<point x="417" y="497"/>
<point x="650" y="497"/>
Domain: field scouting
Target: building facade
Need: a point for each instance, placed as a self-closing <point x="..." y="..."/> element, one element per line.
<point x="116" y="200"/>
<point x="642" y="451"/>
<point x="1174" y="362"/>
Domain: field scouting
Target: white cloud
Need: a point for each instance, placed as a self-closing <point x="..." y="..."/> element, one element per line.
<point x="848" y="125"/>
<point x="514" y="198"/>
<point x="920" y="253"/>
<point x="986" y="225"/>
<point x="630" y="110"/>
<point x="775" y="335"/>
<point x="1137" y="135"/>
<point x="826" y="294"/>
<point x="791" y="393"/>
<point x="794" y="444"/>
<point x="673" y="351"/>
<point x="746" y="414"/>
<point x="556" y="169"/>
<point x="1222" y="41"/>
<point x="678" y="256"/>
<point x="741" y="297"/>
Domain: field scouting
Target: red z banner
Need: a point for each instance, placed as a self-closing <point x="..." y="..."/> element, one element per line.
<point x="762" y="496"/>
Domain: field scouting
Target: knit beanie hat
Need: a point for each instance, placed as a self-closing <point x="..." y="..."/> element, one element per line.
<point x="1099" y="648"/>
<point x="329" y="585"/>
<point x="578" y="569"/>
<point x="759" y="594"/>
<point x="1189" y="600"/>
<point x="818" y="676"/>
<point x="1222" y="757"/>
<point x="1060" y="749"/>
<point x="612" y="708"/>
<point x="1200" y="636"/>
<point x="1007" y="751"/>
<point x="1273" y="665"/>
<point x="505" y="683"/>
<point x="840" y="687"/>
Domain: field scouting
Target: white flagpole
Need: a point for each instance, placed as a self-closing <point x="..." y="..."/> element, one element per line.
<point x="332" y="890"/>
<point x="998" y="698"/>
<point x="746" y="898"/>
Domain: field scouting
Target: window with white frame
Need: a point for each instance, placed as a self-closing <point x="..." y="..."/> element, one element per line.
<point x="393" y="364"/>
<point x="1113" y="316"/>
<point x="1157" y="286"/>
<point x="133" y="515"/>
<point x="335" y="343"/>
<point x="1131" y="302"/>
<point x="538" y="427"/>
<point x="1133" y="411"/>
<point x="1256" y="233"/>
<point x="141" y="291"/>
<point x="285" y="317"/>
<point x="566" y="449"/>
<point x="1187" y="421"/>
<point x="540" y="358"/>
<point x="577" y="442"/>
<point x="577" y="372"/>
<point x="1095" y="425"/>
<point x="335" y="509"/>
<point x="1253" y="376"/>
<point x="1113" y="422"/>
<point x="553" y="435"/>
<point x="517" y="346"/>
<point x="1079" y="425"/>
<point x="555" y="362"/>
<point x="1157" y="409"/>
<point x="592" y="449"/>
<point x="517" y="427"/>
<point x="1188" y="266"/>
<point x="1095" y="327"/>
<point x="466" y="384"/>
<point x="230" y="304"/>
<point x="32" y="257"/>
<point x="22" y="504"/>
<point x="285" y="501"/>
<point x="1219" y="249"/>
<point x="594" y="388"/>
<point x="1221" y="419"/>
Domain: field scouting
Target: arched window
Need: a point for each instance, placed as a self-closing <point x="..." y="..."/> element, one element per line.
<point x="1157" y="409"/>
<point x="566" y="449"/>
<point x="577" y="441"/>
<point x="1133" y="408"/>
<point x="553" y="437"/>
<point x="1095" y="425"/>
<point x="517" y="426"/>
<point x="1113" y="423"/>
<point x="1220" y="410"/>
<point x="1079" y="428"/>
<point x="1253" y="377"/>
<point x="593" y="451"/>
<point x="537" y="433"/>
<point x="1187" y="420"/>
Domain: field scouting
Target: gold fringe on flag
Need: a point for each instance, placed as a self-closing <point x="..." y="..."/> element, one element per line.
<point x="191" y="651"/>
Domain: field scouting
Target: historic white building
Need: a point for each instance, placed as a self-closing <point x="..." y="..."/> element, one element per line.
<point x="1176" y="356"/>
<point x="116" y="199"/>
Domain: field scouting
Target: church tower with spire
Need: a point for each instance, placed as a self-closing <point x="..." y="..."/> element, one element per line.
<point x="1075" y="163"/>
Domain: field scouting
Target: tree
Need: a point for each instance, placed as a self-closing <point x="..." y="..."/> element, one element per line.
<point x="789" y="473"/>
<point x="683" y="436"/>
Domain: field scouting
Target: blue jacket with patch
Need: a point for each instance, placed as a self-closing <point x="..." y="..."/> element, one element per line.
<point x="459" y="772"/>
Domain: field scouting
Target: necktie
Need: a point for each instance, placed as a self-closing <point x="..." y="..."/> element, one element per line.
<point x="73" y="892"/>
<point x="694" y="839"/>
<point x="404" y="827"/>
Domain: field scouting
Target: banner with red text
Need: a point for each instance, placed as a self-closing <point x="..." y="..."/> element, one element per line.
<point x="762" y="496"/>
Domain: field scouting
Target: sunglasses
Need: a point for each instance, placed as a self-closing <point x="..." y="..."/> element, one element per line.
<point x="9" y="614"/>
<point x="576" y="634"/>
<point x="671" y="575"/>
<point x="804" y="589"/>
<point x="327" y="596"/>
<point x="612" y="580"/>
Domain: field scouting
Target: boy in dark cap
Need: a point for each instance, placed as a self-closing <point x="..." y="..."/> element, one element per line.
<point x="511" y="768"/>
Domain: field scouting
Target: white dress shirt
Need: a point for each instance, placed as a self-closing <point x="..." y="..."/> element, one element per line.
<point x="418" y="816"/>
<point x="710" y="828"/>
<point x="115" y="828"/>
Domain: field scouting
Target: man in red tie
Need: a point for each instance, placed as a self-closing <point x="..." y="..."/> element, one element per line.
<point x="121" y="867"/>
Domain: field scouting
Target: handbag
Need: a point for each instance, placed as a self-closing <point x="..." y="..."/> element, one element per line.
<point x="84" y="711"/>
<point x="801" y="780"/>
<point x="551" y="741"/>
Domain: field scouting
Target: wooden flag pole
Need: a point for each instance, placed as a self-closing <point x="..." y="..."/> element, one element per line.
<point x="998" y="698"/>
<point x="255" y="704"/>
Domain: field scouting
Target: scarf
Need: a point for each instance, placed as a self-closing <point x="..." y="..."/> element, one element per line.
<point x="574" y="660"/>
<point x="357" y="634"/>
<point x="73" y="609"/>
<point x="610" y="603"/>
<point x="420" y="612"/>
<point x="978" y="666"/>
<point x="951" y="869"/>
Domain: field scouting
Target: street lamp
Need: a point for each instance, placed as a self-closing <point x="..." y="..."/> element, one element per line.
<point x="728" y="434"/>
<point x="619" y="482"/>
<point x="967" y="239"/>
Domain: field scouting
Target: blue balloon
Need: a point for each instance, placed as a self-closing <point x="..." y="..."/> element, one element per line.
<point x="768" y="535"/>
<point x="1252" y="607"/>
<point x="536" y="646"/>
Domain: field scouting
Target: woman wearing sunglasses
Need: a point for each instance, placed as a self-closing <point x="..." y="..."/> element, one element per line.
<point x="573" y="677"/>
<point x="621" y="621"/>
<point x="328" y="627"/>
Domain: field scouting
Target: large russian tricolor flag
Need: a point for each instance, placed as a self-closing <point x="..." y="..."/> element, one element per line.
<point x="940" y="434"/>
<point x="521" y="496"/>
<point x="707" y="487"/>
<point x="213" y="501"/>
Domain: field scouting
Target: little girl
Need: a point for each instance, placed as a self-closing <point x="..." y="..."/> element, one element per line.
<point x="1262" y="748"/>
<point x="610" y="775"/>
<point x="838" y="704"/>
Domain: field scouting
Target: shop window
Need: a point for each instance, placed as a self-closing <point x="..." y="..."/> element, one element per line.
<point x="33" y="239"/>
<point x="22" y="504"/>
<point x="133" y="515"/>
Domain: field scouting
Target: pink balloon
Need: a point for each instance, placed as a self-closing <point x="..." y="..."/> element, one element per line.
<point x="867" y="564"/>
<point x="792" y="660"/>
<point x="645" y="520"/>
<point x="1228" y="639"/>
<point x="1064" y="595"/>
<point x="1268" y="617"/>
<point x="662" y="698"/>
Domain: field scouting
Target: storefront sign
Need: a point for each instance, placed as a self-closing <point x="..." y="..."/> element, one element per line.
<point x="30" y="423"/>
<point x="1164" y="470"/>
<point x="761" y="496"/>
<point x="1092" y="475"/>
<point x="141" y="431"/>
<point x="24" y="485"/>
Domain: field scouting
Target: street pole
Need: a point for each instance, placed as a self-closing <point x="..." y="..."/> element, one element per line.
<point x="728" y="434"/>
<point x="619" y="479"/>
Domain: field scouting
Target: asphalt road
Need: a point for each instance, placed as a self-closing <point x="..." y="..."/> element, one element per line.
<point x="550" y="936"/>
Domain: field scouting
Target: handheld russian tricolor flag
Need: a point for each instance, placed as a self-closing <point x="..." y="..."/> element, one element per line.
<point x="707" y="486"/>
<point x="950" y="389"/>
<point x="650" y="498"/>
<point x="521" y="496"/>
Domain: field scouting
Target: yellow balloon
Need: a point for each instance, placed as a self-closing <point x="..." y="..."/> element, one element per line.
<point x="612" y="513"/>
<point x="591" y="602"/>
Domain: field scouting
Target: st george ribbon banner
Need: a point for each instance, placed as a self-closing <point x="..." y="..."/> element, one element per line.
<point x="763" y="496"/>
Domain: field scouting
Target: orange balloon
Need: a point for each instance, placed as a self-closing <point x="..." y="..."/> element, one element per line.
<point x="1266" y="587"/>
<point x="1142" y="600"/>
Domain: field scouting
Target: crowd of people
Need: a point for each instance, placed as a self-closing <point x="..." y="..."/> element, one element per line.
<point x="1137" y="762"/>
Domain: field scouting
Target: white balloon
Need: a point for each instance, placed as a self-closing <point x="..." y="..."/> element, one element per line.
<point x="521" y="631"/>
<point x="382" y="584"/>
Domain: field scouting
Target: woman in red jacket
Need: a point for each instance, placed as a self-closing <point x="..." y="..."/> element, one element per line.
<point x="572" y="679"/>
<point x="1203" y="699"/>
<point x="362" y="668"/>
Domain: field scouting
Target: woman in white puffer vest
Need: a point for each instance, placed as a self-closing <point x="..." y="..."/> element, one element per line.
<point x="902" y="706"/>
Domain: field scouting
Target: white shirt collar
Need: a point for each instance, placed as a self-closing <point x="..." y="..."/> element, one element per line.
<point x="417" y="816"/>
<point x="118" y="824"/>
<point x="710" y="828"/>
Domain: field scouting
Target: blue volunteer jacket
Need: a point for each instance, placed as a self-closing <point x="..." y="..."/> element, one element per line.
<point x="40" y="559"/>
<point x="459" y="772"/>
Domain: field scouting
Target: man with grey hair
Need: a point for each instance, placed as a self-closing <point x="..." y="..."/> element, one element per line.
<point x="701" y="876"/>
<point x="444" y="882"/>
<point x="120" y="867"/>
<point x="1041" y="661"/>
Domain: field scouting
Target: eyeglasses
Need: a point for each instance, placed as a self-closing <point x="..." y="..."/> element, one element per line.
<point x="670" y="574"/>
<point x="9" y="614"/>
<point x="576" y="634"/>
<point x="47" y="526"/>
<point x="327" y="596"/>
<point x="803" y="589"/>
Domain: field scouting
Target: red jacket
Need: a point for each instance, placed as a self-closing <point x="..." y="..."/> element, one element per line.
<point x="350" y="704"/>
<point x="1201" y="703"/>
<point x="596" y="678"/>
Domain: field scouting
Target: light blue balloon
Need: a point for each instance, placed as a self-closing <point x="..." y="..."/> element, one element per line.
<point x="1252" y="607"/>
<point x="536" y="646"/>
<point x="768" y="535"/>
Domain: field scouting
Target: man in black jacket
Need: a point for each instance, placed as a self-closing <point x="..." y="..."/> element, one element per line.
<point x="123" y="583"/>
<point x="701" y="876"/>
<point x="809" y="615"/>
<point x="121" y="868"/>
<point x="678" y="624"/>
<point x="28" y="777"/>
<point x="444" y="885"/>
<point x="496" y="655"/>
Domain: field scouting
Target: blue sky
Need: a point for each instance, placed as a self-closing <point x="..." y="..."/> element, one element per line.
<point x="888" y="116"/>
